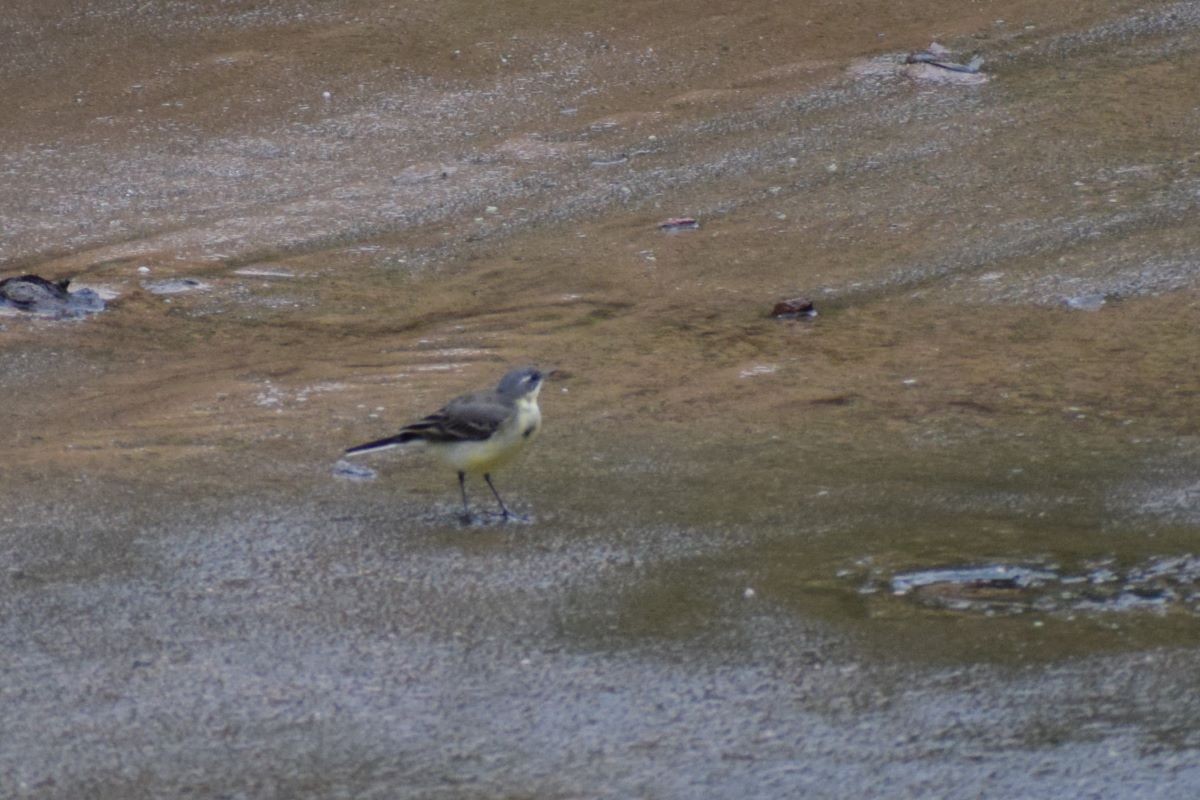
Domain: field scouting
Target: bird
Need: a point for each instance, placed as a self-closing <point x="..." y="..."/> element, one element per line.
<point x="477" y="433"/>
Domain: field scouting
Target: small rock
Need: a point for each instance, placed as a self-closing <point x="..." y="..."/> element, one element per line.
<point x="173" y="286"/>
<point x="933" y="65"/>
<point x="938" y="59"/>
<point x="796" y="308"/>
<point x="758" y="369"/>
<point x="256" y="272"/>
<point x="353" y="472"/>
<point x="1085" y="302"/>
<point x="678" y="224"/>
<point x="620" y="158"/>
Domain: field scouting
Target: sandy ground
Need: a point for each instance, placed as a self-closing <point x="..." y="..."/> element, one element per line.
<point x="384" y="204"/>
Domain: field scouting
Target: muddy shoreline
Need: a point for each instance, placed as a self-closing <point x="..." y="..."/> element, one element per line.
<point x="312" y="223"/>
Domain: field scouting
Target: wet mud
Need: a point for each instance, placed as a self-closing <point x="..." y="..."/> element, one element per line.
<point x="1164" y="584"/>
<point x="939" y="539"/>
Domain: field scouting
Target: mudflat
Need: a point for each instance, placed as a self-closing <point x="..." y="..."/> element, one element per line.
<point x="939" y="538"/>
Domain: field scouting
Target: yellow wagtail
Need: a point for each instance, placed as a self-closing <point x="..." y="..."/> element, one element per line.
<point x="478" y="432"/>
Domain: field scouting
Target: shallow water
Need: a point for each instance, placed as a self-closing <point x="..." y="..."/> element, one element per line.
<point x="314" y="223"/>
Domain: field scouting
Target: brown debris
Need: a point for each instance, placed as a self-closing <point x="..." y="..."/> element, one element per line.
<point x="796" y="308"/>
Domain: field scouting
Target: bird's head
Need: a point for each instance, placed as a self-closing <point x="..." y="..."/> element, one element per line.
<point x="520" y="382"/>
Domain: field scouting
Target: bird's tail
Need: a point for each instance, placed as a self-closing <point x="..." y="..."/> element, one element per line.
<point x="403" y="437"/>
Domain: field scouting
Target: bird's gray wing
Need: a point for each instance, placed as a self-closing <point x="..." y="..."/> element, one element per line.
<point x="470" y="418"/>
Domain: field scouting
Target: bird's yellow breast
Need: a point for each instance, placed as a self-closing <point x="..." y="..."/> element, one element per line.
<point x="501" y="447"/>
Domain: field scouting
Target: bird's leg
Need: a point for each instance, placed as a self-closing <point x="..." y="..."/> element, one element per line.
<point x="462" y="487"/>
<point x="503" y="508"/>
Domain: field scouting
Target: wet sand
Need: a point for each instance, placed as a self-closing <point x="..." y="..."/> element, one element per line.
<point x="383" y="205"/>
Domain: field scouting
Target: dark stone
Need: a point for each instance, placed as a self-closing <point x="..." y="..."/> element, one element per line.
<point x="28" y="291"/>
<point x="796" y="308"/>
<point x="37" y="295"/>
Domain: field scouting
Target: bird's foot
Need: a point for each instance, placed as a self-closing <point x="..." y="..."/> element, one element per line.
<point x="487" y="518"/>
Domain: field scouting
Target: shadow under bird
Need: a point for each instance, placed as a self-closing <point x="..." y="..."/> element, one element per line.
<point x="477" y="433"/>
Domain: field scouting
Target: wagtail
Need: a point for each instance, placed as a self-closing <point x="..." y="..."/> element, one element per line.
<point x="478" y="432"/>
